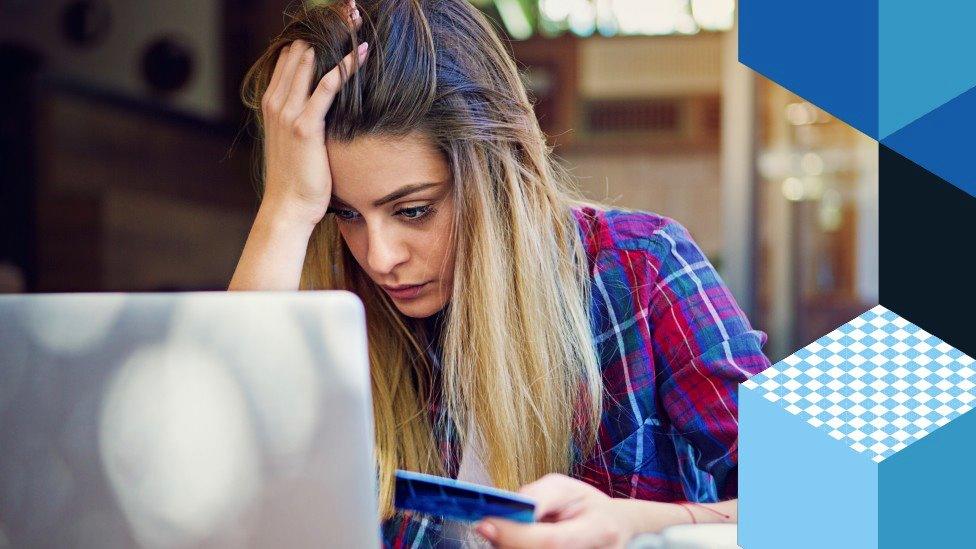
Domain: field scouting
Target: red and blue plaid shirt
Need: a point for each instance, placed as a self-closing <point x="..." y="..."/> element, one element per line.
<point x="673" y="346"/>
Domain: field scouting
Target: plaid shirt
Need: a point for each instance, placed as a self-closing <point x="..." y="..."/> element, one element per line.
<point x="673" y="347"/>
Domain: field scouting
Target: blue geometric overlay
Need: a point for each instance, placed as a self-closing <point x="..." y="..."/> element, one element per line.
<point x="825" y="51"/>
<point x="863" y="439"/>
<point x="925" y="496"/>
<point x="943" y="142"/>
<point x="825" y="432"/>
<point x="926" y="51"/>
<point x="898" y="71"/>
<point x="798" y="488"/>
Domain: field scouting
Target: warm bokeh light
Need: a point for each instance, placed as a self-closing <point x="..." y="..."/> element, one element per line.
<point x="514" y="18"/>
<point x="714" y="15"/>
<point x="610" y="17"/>
<point x="812" y="164"/>
<point x="831" y="213"/>
<point x="793" y="189"/>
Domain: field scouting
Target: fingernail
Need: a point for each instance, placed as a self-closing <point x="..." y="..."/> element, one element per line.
<point x="487" y="530"/>
<point x="363" y="47"/>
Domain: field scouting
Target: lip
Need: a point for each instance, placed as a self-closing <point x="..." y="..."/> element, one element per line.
<point x="406" y="291"/>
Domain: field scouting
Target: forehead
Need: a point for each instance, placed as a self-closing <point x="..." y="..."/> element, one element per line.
<point x="372" y="166"/>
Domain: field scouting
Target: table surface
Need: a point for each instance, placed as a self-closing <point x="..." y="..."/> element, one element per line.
<point x="724" y="536"/>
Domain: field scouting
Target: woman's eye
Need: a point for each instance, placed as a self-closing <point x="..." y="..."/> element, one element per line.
<point x="414" y="213"/>
<point x="344" y="214"/>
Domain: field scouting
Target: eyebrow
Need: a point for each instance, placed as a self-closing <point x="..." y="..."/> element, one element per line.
<point x="397" y="194"/>
<point x="402" y="192"/>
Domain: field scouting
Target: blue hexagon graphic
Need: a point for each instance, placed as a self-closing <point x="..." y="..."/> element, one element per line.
<point x="900" y="72"/>
<point x="861" y="439"/>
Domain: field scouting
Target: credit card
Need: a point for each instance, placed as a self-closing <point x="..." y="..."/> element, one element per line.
<point x="458" y="500"/>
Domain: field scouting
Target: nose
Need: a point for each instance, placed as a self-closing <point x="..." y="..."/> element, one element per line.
<point x="386" y="250"/>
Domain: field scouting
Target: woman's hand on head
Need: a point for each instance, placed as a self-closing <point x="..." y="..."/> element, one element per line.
<point x="297" y="176"/>
<point x="570" y="514"/>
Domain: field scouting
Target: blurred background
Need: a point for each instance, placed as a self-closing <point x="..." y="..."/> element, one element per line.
<point x="126" y="163"/>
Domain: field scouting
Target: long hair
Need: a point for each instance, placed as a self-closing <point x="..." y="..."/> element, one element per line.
<point x="518" y="366"/>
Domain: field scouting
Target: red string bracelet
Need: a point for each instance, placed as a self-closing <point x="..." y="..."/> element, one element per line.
<point x="690" y="514"/>
<point x="710" y="510"/>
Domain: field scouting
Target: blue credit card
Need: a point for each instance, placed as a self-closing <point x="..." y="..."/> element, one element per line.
<point x="458" y="500"/>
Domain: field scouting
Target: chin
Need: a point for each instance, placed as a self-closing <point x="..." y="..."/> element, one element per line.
<point x="419" y="308"/>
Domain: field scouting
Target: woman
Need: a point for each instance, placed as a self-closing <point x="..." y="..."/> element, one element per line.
<point x="514" y="331"/>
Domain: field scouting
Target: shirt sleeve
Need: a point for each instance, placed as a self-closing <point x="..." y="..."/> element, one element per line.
<point x="704" y="348"/>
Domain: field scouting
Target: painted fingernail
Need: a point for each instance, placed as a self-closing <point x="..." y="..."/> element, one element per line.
<point x="363" y="47"/>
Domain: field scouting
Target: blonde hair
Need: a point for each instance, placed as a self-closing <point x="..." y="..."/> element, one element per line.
<point x="517" y="351"/>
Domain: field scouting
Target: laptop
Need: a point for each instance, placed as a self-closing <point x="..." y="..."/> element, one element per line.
<point x="204" y="419"/>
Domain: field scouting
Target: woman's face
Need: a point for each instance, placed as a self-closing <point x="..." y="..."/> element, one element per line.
<point x="393" y="201"/>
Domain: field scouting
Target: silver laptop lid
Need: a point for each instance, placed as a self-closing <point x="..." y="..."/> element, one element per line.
<point x="208" y="419"/>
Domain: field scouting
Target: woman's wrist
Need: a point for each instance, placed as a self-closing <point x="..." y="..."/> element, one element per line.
<point x="275" y="250"/>
<point x="642" y="516"/>
<point x="286" y="216"/>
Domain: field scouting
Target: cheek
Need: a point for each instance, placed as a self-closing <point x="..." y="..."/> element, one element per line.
<point x="442" y="248"/>
<point x="356" y="242"/>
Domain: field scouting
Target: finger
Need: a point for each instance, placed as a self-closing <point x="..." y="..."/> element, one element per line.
<point x="554" y="493"/>
<point x="298" y="92"/>
<point x="276" y="74"/>
<point x="506" y="533"/>
<point x="330" y="84"/>
<point x="355" y="18"/>
<point x="298" y="47"/>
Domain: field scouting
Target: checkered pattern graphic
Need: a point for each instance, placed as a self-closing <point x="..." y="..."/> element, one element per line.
<point x="878" y="383"/>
